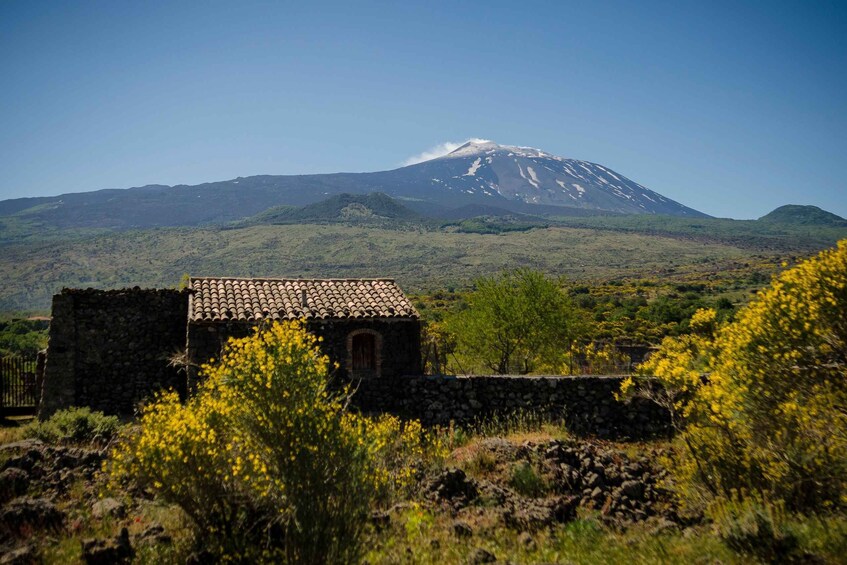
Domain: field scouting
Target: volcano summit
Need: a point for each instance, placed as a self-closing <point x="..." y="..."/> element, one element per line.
<point x="524" y="174"/>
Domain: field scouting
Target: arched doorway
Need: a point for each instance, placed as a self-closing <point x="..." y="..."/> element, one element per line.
<point x="363" y="353"/>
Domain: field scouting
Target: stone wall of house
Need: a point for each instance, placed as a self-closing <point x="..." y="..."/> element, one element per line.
<point x="399" y="354"/>
<point x="586" y="404"/>
<point x="109" y="350"/>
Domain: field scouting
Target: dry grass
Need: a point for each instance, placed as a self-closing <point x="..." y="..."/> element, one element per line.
<point x="14" y="429"/>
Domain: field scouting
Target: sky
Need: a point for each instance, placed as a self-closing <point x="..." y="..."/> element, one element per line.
<point x="731" y="108"/>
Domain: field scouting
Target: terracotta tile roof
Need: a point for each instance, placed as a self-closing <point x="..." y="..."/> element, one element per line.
<point x="249" y="300"/>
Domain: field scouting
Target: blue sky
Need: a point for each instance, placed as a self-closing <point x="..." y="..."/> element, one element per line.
<point x="732" y="108"/>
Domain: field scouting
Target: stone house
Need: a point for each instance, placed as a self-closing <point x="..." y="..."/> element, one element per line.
<point x="111" y="350"/>
<point x="369" y="327"/>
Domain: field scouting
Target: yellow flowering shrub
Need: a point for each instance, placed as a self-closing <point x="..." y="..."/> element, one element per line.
<point x="400" y="451"/>
<point x="772" y="415"/>
<point x="181" y="452"/>
<point x="593" y="359"/>
<point x="679" y="365"/>
<point x="265" y="458"/>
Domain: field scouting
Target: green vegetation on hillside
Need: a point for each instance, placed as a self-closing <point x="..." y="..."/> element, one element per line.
<point x="418" y="258"/>
<point x="347" y="208"/>
<point x="803" y="215"/>
<point x="497" y="225"/>
<point x="747" y="234"/>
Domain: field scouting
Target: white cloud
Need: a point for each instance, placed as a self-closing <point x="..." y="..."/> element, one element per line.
<point x="438" y="151"/>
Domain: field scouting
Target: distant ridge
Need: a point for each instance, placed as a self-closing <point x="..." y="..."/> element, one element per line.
<point x="803" y="215"/>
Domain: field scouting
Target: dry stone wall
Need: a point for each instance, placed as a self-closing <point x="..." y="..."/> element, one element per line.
<point x="586" y="404"/>
<point x="109" y="350"/>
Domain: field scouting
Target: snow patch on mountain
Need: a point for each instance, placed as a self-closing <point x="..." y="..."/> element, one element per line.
<point x="480" y="146"/>
<point x="534" y="180"/>
<point x="471" y="148"/>
<point x="473" y="168"/>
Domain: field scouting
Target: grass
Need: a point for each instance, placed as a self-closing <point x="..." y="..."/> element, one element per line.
<point x="15" y="429"/>
<point x="66" y="546"/>
<point x="420" y="535"/>
<point x="526" y="480"/>
<point x="518" y="424"/>
<point x="478" y="462"/>
<point x="75" y="425"/>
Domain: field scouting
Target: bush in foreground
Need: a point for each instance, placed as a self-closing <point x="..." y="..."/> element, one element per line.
<point x="265" y="459"/>
<point x="771" y="418"/>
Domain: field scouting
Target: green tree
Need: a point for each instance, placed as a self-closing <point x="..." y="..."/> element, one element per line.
<point x="22" y="337"/>
<point x="516" y="323"/>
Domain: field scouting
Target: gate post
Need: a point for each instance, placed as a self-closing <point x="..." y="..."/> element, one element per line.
<point x="3" y="377"/>
<point x="40" y="363"/>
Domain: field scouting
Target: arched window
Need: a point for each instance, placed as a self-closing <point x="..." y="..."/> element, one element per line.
<point x="363" y="353"/>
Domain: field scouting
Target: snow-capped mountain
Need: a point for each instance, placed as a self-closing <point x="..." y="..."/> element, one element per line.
<point x="487" y="170"/>
<point x="478" y="175"/>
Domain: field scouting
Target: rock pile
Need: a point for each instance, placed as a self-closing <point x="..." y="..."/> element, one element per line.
<point x="33" y="479"/>
<point x="621" y="488"/>
<point x="38" y="482"/>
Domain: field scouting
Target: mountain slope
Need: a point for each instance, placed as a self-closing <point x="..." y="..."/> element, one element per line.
<point x="523" y="174"/>
<point x="513" y="178"/>
<point x="343" y="207"/>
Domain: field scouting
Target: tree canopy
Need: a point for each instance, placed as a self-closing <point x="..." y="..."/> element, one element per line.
<point x="517" y="322"/>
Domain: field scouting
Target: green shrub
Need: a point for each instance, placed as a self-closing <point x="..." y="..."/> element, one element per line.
<point x="526" y="480"/>
<point x="482" y="462"/>
<point x="75" y="425"/>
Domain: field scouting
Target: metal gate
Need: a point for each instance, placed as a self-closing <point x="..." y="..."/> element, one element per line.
<point x="20" y="388"/>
